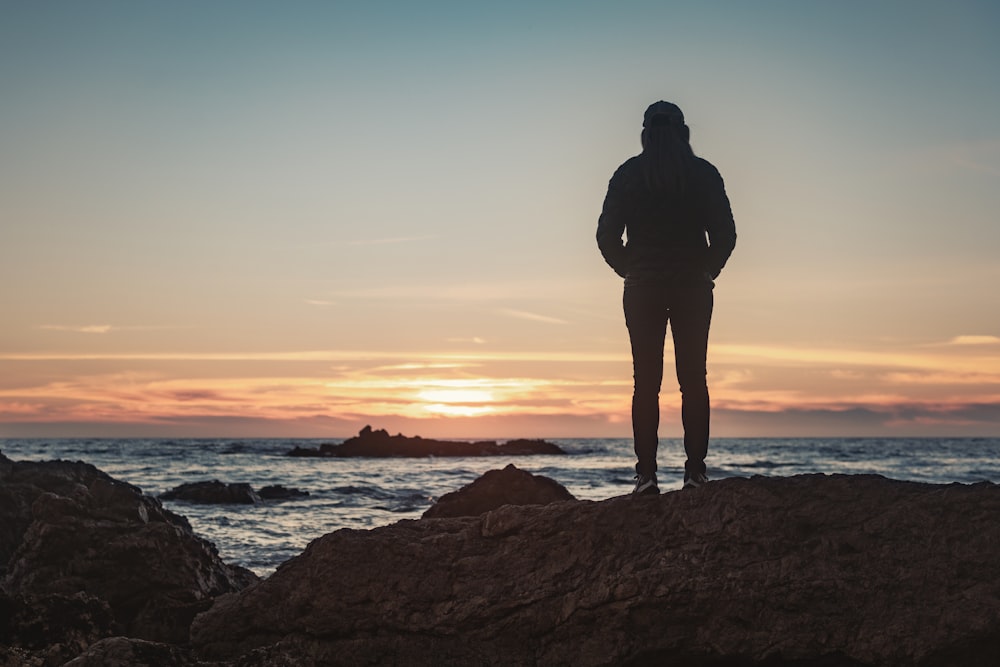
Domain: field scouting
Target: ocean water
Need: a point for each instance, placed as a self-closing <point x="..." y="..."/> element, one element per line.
<point x="365" y="493"/>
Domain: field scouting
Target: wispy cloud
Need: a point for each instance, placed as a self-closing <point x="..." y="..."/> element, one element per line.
<point x="87" y="329"/>
<point x="475" y="339"/>
<point x="818" y="357"/>
<point x="318" y="356"/>
<point x="508" y="290"/>
<point x="944" y="378"/>
<point x="318" y="302"/>
<point x="754" y="388"/>
<point x="106" y="328"/>
<point x="974" y="340"/>
<point x="16" y="408"/>
<point x="534" y="317"/>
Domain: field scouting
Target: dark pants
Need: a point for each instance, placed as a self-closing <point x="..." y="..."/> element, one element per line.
<point x="648" y="308"/>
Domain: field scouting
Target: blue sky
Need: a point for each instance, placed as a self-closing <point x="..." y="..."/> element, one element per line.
<point x="414" y="180"/>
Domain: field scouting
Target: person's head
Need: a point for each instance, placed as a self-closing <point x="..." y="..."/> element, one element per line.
<point x="663" y="120"/>
<point x="666" y="146"/>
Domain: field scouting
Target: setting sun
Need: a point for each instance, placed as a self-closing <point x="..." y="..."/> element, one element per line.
<point x="456" y="402"/>
<point x="456" y="396"/>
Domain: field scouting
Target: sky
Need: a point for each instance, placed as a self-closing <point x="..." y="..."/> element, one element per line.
<point x="264" y="219"/>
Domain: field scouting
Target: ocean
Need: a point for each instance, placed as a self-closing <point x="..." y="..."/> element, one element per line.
<point x="366" y="493"/>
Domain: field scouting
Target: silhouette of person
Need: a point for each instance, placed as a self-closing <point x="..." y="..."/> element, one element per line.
<point x="672" y="205"/>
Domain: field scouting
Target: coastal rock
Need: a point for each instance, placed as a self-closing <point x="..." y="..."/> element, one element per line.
<point x="86" y="556"/>
<point x="279" y="492"/>
<point x="54" y="627"/>
<point x="213" y="492"/>
<point x="129" y="652"/>
<point x="495" y="488"/>
<point x="807" y="570"/>
<point x="379" y="444"/>
<point x="11" y="656"/>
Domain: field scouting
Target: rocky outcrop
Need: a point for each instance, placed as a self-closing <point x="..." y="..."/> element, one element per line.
<point x="495" y="488"/>
<point x="379" y="444"/>
<point x="213" y="492"/>
<point x="86" y="556"/>
<point x="279" y="492"/>
<point x="809" y="570"/>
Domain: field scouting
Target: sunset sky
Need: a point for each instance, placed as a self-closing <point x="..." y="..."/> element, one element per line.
<point x="238" y="218"/>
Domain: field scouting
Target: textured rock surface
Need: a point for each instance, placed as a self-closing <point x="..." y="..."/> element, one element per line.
<point x="87" y="556"/>
<point x="54" y="627"/>
<point x="379" y="444"/>
<point x="810" y="570"/>
<point x="279" y="492"/>
<point x="213" y="492"/>
<point x="128" y="652"/>
<point x="496" y="488"/>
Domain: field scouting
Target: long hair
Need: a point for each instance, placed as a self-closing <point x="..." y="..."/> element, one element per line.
<point x="667" y="155"/>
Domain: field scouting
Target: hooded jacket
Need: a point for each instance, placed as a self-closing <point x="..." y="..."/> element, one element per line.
<point x="681" y="239"/>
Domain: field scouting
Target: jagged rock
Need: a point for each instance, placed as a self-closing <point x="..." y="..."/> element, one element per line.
<point x="379" y="444"/>
<point x="22" y="483"/>
<point x="279" y="492"/>
<point x="808" y="570"/>
<point x="495" y="488"/>
<point x="82" y="543"/>
<point x="213" y="492"/>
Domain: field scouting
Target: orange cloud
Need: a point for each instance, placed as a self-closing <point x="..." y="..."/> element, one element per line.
<point x="974" y="340"/>
<point x="567" y="387"/>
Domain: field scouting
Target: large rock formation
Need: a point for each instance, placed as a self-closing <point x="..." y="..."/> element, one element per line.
<point x="379" y="444"/>
<point x="810" y="570"/>
<point x="85" y="556"/>
<point x="496" y="488"/>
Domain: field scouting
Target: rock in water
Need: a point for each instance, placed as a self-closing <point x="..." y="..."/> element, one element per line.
<point x="279" y="492"/>
<point x="808" y="570"/>
<point x="379" y="444"/>
<point x="86" y="555"/>
<point x="495" y="488"/>
<point x="213" y="492"/>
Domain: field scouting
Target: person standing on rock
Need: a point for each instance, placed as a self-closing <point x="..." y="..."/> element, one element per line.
<point x="673" y="207"/>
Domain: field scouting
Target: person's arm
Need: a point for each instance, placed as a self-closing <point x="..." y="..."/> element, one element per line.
<point x="720" y="226"/>
<point x="611" y="227"/>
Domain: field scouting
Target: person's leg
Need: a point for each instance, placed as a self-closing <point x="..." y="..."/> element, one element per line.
<point x="646" y="319"/>
<point x="690" y="319"/>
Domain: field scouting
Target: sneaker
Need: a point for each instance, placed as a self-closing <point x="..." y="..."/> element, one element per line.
<point x="695" y="480"/>
<point x="645" y="485"/>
